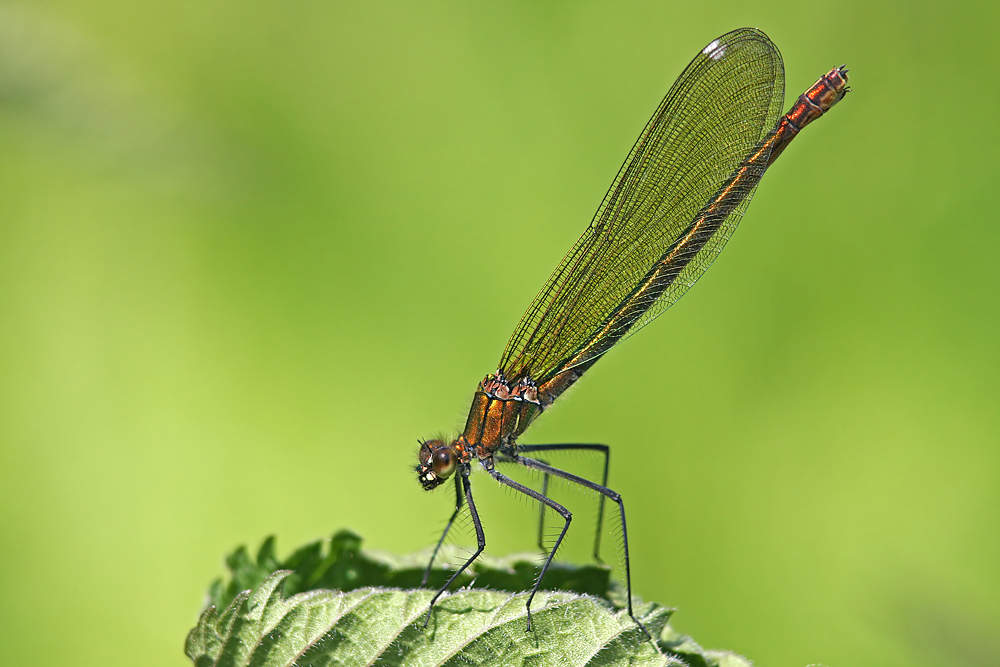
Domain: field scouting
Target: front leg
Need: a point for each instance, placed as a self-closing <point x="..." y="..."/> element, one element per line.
<point x="463" y="472"/>
<point x="458" y="508"/>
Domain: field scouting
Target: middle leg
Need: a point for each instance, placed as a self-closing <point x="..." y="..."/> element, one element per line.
<point x="503" y="458"/>
<point x="603" y="449"/>
<point x="563" y="512"/>
<point x="603" y="490"/>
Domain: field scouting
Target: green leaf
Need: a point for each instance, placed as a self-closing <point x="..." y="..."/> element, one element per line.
<point x="331" y="603"/>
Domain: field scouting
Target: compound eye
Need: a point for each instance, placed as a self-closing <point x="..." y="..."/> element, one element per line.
<point x="444" y="462"/>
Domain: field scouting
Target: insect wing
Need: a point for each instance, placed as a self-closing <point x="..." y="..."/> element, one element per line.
<point x="725" y="103"/>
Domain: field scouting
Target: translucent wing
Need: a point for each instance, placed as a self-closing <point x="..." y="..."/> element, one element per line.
<point x="717" y="113"/>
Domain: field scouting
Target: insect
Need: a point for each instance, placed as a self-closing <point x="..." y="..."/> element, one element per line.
<point x="670" y="210"/>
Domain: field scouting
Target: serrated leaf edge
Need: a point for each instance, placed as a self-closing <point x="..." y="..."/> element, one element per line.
<point x="257" y="608"/>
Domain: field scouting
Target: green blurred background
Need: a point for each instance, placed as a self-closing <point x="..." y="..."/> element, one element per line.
<point x="250" y="252"/>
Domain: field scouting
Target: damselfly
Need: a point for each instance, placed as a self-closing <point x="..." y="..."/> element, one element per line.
<point x="675" y="202"/>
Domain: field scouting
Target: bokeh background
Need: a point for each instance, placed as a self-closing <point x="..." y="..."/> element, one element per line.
<point x="251" y="251"/>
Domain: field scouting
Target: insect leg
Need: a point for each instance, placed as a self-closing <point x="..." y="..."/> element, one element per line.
<point x="563" y="512"/>
<point x="458" y="508"/>
<point x="480" y="539"/>
<point x="603" y="490"/>
<point x="505" y="458"/>
<point x="603" y="449"/>
<point x="541" y="515"/>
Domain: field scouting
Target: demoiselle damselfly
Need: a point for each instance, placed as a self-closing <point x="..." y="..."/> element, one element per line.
<point x="675" y="202"/>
